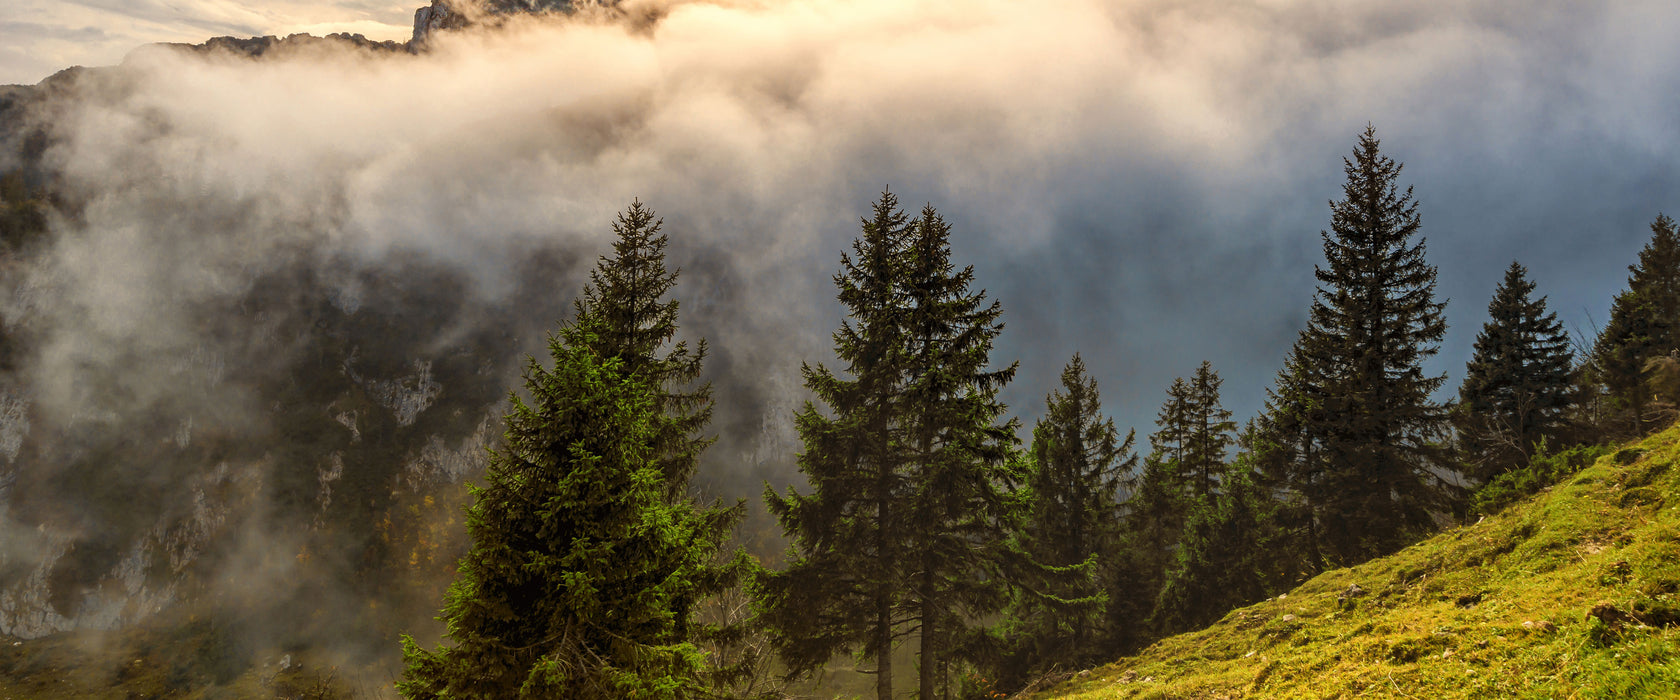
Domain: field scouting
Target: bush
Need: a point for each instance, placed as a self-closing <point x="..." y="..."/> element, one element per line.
<point x="1542" y="470"/>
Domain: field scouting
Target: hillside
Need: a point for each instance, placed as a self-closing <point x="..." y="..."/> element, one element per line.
<point x="1568" y="594"/>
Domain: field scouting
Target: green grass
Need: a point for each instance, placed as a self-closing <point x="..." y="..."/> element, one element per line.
<point x="1498" y="609"/>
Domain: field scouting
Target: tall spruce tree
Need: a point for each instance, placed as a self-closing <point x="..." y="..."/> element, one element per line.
<point x="1644" y="325"/>
<point x="628" y="293"/>
<point x="580" y="570"/>
<point x="1519" y="382"/>
<point x="959" y="443"/>
<point x="566" y="504"/>
<point x="1074" y="477"/>
<point x="1367" y="425"/>
<point x="1210" y="432"/>
<point x="843" y="588"/>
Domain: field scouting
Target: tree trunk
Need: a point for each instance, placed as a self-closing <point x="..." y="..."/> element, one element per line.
<point x="930" y="639"/>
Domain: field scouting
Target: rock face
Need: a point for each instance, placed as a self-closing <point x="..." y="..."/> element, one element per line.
<point x="456" y="14"/>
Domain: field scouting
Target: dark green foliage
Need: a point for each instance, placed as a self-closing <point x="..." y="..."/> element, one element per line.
<point x="628" y="295"/>
<point x="1078" y="464"/>
<point x="843" y="586"/>
<point x="1355" y="429"/>
<point x="588" y="559"/>
<point x="960" y="443"/>
<point x="1518" y="383"/>
<point x="908" y="518"/>
<point x="1541" y="470"/>
<point x="579" y="562"/>
<point x="1643" y="324"/>
<point x="1221" y="561"/>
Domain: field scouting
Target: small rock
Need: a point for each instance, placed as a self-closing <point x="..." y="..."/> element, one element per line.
<point x="1281" y="596"/>
<point x="1147" y="679"/>
<point x="1084" y="673"/>
<point x="1288" y="618"/>
<point x="1446" y="654"/>
<point x="1250" y="653"/>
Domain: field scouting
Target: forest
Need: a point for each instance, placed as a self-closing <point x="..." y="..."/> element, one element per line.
<point x="930" y="520"/>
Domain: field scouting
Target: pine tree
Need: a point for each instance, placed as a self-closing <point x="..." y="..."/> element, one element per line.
<point x="1079" y="463"/>
<point x="1365" y="418"/>
<point x="628" y="293"/>
<point x="1519" y="381"/>
<point x="1209" y="432"/>
<point x="580" y="565"/>
<point x="960" y="444"/>
<point x="1220" y="561"/>
<point x="843" y="587"/>
<point x="608" y="426"/>
<point x="1644" y="324"/>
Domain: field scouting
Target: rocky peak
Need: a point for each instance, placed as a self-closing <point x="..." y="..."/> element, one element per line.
<point x="456" y="14"/>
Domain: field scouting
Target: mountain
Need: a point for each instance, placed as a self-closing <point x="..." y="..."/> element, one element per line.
<point x="1571" y="593"/>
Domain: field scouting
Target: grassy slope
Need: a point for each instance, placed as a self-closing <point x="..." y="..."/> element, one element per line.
<point x="1499" y="609"/>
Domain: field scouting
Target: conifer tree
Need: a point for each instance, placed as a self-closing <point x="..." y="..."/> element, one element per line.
<point x="1209" y="432"/>
<point x="959" y="444"/>
<point x="1644" y="324"/>
<point x="628" y="293"/>
<point x="843" y="588"/>
<point x="576" y="582"/>
<point x="1079" y="463"/>
<point x="1518" y="383"/>
<point x="1220" y="561"/>
<point x="1366" y="426"/>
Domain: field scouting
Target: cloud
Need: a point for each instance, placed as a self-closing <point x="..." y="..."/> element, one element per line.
<point x="1143" y="182"/>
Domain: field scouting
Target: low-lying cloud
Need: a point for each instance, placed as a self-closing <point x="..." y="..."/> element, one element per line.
<point x="1142" y="182"/>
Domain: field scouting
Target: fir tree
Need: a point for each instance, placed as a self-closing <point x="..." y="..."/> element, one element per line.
<point x="1519" y="381"/>
<point x="580" y="565"/>
<point x="576" y="583"/>
<point x="1220" y="561"/>
<point x="628" y="294"/>
<point x="1644" y="324"/>
<point x="1078" y="465"/>
<point x="1209" y="432"/>
<point x="1362" y="413"/>
<point x="843" y="587"/>
<point x="960" y="443"/>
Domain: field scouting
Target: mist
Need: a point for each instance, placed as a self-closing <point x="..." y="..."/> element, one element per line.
<point x="1141" y="182"/>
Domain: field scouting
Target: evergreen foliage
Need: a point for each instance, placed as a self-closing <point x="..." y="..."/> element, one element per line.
<point x="579" y="567"/>
<point x="842" y="589"/>
<point x="1220" y="561"/>
<point x="1077" y="468"/>
<point x="1518" y="383"/>
<point x="627" y="293"/>
<point x="588" y="559"/>
<point x="1644" y="319"/>
<point x="1352" y="417"/>
<point x="908" y="526"/>
<point x="959" y="442"/>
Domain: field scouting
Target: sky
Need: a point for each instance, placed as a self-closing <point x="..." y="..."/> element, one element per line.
<point x="41" y="37"/>
<point x="1140" y="181"/>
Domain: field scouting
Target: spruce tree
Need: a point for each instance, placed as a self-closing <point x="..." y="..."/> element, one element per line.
<point x="1369" y="428"/>
<point x="1209" y="432"/>
<point x="1219" y="563"/>
<point x="1079" y="464"/>
<point x="580" y="566"/>
<point x="959" y="443"/>
<point x="1644" y="324"/>
<point x="1518" y="383"/>
<point x="611" y="421"/>
<point x="843" y="588"/>
<point x="628" y="294"/>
